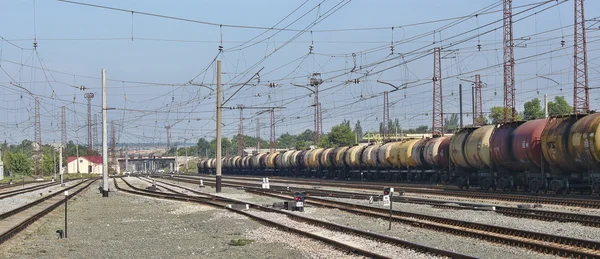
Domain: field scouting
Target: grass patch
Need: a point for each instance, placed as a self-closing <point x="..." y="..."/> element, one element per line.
<point x="79" y="176"/>
<point x="240" y="242"/>
<point x="16" y="179"/>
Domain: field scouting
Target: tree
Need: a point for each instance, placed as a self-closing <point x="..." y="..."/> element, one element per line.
<point x="202" y="144"/>
<point x="422" y="129"/>
<point x="225" y="147"/>
<point x="286" y="141"/>
<point x="358" y="129"/>
<point x="451" y="123"/>
<point x="48" y="164"/>
<point x="18" y="163"/>
<point x="340" y="135"/>
<point x="324" y="142"/>
<point x="533" y="110"/>
<point x="559" y="106"/>
<point x="301" y="145"/>
<point x="482" y="120"/>
<point x="497" y="114"/>
<point x="395" y="127"/>
<point x="307" y="135"/>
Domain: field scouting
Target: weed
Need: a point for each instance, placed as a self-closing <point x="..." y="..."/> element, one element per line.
<point x="240" y="242"/>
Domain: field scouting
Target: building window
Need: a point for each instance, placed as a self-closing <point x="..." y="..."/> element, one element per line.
<point x="80" y="160"/>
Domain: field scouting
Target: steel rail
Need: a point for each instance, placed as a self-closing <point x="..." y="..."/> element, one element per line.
<point x="340" y="228"/>
<point x="23" y="224"/>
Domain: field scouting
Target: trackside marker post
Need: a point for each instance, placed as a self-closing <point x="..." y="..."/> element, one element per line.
<point x="66" y="199"/>
<point x="388" y="192"/>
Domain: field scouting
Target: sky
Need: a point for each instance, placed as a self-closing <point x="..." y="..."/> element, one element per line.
<point x="160" y="69"/>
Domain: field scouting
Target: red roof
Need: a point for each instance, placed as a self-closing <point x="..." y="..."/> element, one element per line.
<point x="92" y="159"/>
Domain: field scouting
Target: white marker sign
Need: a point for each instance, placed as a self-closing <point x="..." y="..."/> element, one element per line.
<point x="386" y="200"/>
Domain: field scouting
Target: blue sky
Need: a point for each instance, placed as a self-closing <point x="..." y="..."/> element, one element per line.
<point x="149" y="75"/>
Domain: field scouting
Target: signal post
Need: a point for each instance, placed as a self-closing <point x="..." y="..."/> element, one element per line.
<point x="388" y="192"/>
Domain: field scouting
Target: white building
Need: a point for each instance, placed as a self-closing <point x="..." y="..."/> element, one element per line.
<point x="85" y="165"/>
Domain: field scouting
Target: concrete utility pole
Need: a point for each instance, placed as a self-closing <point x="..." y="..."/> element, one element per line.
<point x="219" y="162"/>
<point x="126" y="159"/>
<point x="104" y="139"/>
<point x="77" y="154"/>
<point x="60" y="164"/>
<point x="545" y="106"/>
<point x="273" y="139"/>
<point x="54" y="164"/>
<point x="460" y="100"/>
<point x="176" y="164"/>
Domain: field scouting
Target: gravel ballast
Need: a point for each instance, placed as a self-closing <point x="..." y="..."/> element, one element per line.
<point x="448" y="199"/>
<point x="11" y="203"/>
<point x="469" y="246"/>
<point x="227" y="192"/>
<point x="440" y="240"/>
<point x="381" y="248"/>
<point x="568" y="229"/>
<point x="131" y="226"/>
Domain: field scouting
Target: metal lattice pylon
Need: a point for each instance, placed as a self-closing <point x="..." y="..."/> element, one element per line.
<point x="241" y="141"/>
<point x="63" y="125"/>
<point x="478" y="105"/>
<point x="169" y="139"/>
<point x="89" y="97"/>
<point x="437" y="126"/>
<point x="95" y="133"/>
<point x="113" y="145"/>
<point x="510" y="103"/>
<point x="38" y="135"/>
<point x="386" y="117"/>
<point x="257" y="135"/>
<point x="581" y="98"/>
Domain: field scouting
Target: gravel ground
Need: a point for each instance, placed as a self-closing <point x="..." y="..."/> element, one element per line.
<point x="438" y="197"/>
<point x="450" y="199"/>
<point x="464" y="245"/>
<point x="573" y="230"/>
<point x="384" y="249"/>
<point x="130" y="226"/>
<point x="228" y="192"/>
<point x="11" y="203"/>
<point x="308" y="247"/>
<point x="141" y="184"/>
<point x="469" y="246"/>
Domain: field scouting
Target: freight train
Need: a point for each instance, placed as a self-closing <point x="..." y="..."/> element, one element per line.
<point x="558" y="154"/>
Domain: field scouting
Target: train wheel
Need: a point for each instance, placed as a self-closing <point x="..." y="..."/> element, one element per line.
<point x="486" y="184"/>
<point x="596" y="188"/>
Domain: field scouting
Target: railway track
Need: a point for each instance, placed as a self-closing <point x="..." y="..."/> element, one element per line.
<point x="569" y="202"/>
<point x="18" y="219"/>
<point x="22" y="190"/>
<point x="221" y="202"/>
<point x="540" y="242"/>
<point x="15" y="184"/>
<point x="583" y="219"/>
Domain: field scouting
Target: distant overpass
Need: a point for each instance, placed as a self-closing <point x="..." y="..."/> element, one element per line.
<point x="146" y="158"/>
<point x="151" y="162"/>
